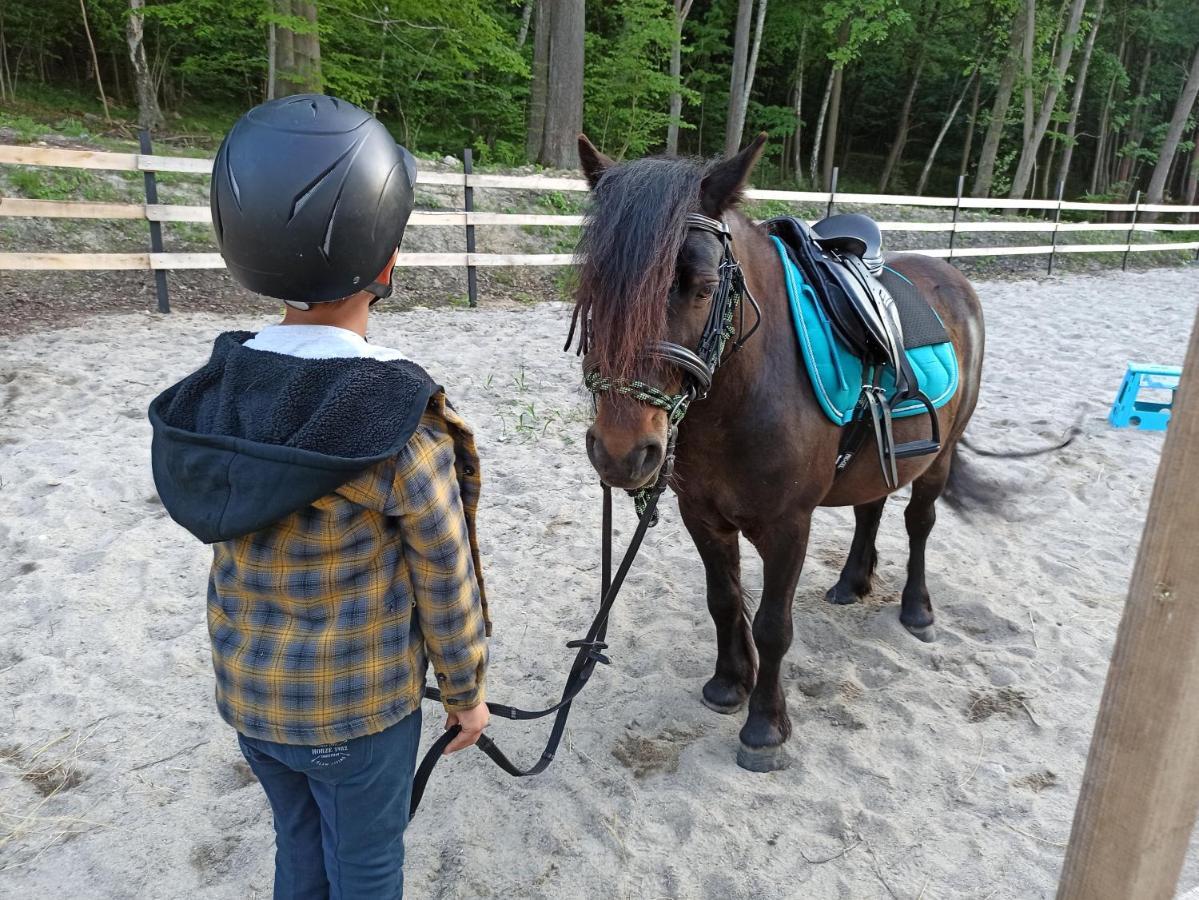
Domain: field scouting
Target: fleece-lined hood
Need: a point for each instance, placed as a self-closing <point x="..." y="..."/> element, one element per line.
<point x="254" y="436"/>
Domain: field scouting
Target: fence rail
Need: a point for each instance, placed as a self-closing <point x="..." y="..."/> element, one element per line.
<point x="163" y="213"/>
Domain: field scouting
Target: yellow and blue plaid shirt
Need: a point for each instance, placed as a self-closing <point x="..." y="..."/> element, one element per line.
<point x="324" y="624"/>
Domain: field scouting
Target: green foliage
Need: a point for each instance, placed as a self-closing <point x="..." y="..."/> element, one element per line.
<point x="627" y="86"/>
<point x="448" y="74"/>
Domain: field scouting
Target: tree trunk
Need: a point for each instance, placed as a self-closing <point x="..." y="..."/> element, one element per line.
<point x="271" y="60"/>
<point x="830" y="134"/>
<point x="736" y="118"/>
<point x="814" y="159"/>
<point x="149" y="116"/>
<point x="682" y="9"/>
<point x="1028" y="154"/>
<point x="526" y="15"/>
<point x="1003" y="98"/>
<point x="932" y="153"/>
<point x="299" y="53"/>
<point x="1030" y="46"/>
<point x="796" y="161"/>
<point x="539" y="86"/>
<point x="1192" y="183"/>
<point x="905" y="121"/>
<point x="1178" y="121"/>
<point x="564" y="99"/>
<point x="5" y="83"/>
<point x="95" y="61"/>
<point x="968" y="143"/>
<point x="1135" y="132"/>
<point x="751" y="68"/>
<point x="1080" y="81"/>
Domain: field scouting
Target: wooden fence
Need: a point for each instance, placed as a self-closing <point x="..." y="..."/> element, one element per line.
<point x="157" y="260"/>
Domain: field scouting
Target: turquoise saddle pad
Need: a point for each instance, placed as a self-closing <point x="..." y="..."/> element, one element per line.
<point x="837" y="375"/>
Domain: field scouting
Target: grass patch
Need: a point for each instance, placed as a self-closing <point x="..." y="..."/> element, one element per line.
<point x="61" y="184"/>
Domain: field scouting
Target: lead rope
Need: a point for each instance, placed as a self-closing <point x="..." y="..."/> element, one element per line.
<point x="589" y="649"/>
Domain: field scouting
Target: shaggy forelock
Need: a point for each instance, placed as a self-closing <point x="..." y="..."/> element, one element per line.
<point x="632" y="233"/>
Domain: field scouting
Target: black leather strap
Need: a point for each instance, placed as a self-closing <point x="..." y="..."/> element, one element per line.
<point x="587" y="657"/>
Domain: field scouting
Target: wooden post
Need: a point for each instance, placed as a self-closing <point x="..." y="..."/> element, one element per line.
<point x="1132" y="227"/>
<point x="150" y="183"/>
<point x="472" y="278"/>
<point x="1140" y="792"/>
<point x="1057" y="221"/>
<point x="957" y="207"/>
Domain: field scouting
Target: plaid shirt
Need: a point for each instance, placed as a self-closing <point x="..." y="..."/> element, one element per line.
<point x="322" y="625"/>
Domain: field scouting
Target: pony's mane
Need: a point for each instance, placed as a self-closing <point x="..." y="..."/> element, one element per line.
<point x="633" y="230"/>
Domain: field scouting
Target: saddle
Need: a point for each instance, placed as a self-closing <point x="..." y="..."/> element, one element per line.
<point x="840" y="257"/>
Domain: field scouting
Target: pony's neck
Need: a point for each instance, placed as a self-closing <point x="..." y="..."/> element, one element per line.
<point x="744" y="370"/>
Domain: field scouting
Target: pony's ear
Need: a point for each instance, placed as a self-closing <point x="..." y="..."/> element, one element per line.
<point x="594" y="163"/>
<point x="722" y="186"/>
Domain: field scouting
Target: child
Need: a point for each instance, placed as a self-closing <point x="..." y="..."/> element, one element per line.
<point x="338" y="490"/>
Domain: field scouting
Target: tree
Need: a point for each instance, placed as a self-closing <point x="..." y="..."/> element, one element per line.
<point x="298" y="52"/>
<point x="95" y="60"/>
<point x="564" y="97"/>
<point x="1080" y="83"/>
<point x="985" y="173"/>
<point x="1032" y="143"/>
<point x="932" y="153"/>
<point x="1178" y="121"/>
<point x="149" y="115"/>
<point x="905" y="111"/>
<point x="682" y="8"/>
<point x="539" y="87"/>
<point x="737" y="97"/>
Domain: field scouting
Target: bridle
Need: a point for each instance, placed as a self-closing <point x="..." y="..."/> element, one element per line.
<point x="697" y="366"/>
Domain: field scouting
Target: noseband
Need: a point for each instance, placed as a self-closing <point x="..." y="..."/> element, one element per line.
<point x="698" y="366"/>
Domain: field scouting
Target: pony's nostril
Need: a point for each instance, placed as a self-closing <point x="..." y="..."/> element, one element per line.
<point x="649" y="457"/>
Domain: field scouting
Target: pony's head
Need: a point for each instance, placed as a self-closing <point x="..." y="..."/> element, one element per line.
<point x="644" y="276"/>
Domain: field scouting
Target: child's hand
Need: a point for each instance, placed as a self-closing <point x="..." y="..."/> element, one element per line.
<point x="473" y="721"/>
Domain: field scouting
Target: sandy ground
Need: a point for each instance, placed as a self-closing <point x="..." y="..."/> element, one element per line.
<point x="938" y="771"/>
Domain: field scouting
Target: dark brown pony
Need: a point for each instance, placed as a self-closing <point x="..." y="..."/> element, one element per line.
<point x="755" y="457"/>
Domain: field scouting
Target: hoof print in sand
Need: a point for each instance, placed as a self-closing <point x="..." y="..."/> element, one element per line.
<point x="1009" y="701"/>
<point x="661" y="753"/>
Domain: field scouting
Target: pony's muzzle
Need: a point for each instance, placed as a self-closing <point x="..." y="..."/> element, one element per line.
<point x="625" y="468"/>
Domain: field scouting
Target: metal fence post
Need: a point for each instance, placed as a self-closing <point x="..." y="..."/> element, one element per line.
<point x="1057" y="218"/>
<point x="472" y="280"/>
<point x="150" y="183"/>
<point x="953" y="232"/>
<point x="832" y="193"/>
<point x="1132" y="226"/>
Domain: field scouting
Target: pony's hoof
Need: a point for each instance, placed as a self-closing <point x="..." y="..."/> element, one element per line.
<point x="723" y="698"/>
<point x="840" y="595"/>
<point x="926" y="633"/>
<point x="763" y="759"/>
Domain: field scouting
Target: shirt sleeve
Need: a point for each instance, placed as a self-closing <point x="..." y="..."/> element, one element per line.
<point x="437" y="551"/>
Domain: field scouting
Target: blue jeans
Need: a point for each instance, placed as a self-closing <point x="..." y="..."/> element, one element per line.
<point x="340" y="812"/>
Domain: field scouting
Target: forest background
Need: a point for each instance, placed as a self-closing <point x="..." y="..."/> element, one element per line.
<point x="902" y="95"/>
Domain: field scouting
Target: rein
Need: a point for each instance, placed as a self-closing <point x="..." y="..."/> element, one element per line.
<point x="698" y="368"/>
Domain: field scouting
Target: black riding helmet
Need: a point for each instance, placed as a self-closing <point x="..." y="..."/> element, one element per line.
<point x="310" y="197"/>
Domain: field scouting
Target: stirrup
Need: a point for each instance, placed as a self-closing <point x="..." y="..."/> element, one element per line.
<point x="924" y="446"/>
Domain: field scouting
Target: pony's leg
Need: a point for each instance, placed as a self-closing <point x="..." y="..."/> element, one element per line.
<point x="856" y="576"/>
<point x="782" y="546"/>
<point x="726" y="691"/>
<point x="916" y="609"/>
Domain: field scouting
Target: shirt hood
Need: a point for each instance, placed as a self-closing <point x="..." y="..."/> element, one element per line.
<point x="254" y="436"/>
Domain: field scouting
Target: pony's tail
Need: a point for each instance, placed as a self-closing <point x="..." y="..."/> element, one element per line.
<point x="968" y="490"/>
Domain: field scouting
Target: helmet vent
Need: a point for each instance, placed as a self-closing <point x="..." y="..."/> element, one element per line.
<point x="301" y="198"/>
<point x="233" y="183"/>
